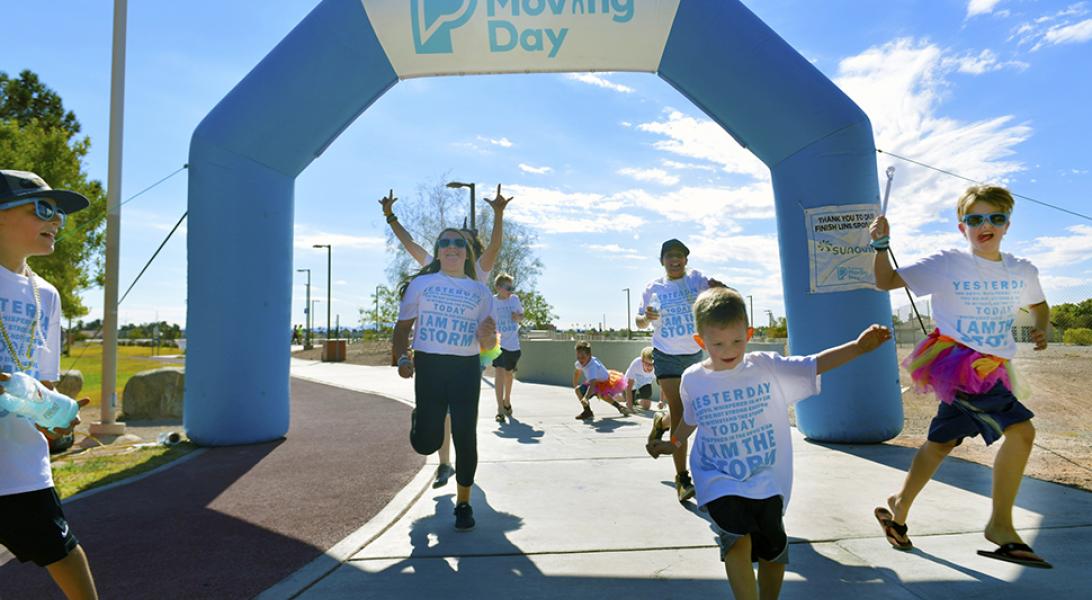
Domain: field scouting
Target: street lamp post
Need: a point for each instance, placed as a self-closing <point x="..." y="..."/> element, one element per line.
<point x="329" y="303"/>
<point x="307" y="310"/>
<point x="751" y="313"/>
<point x="629" y="330"/>
<point x="377" y="310"/>
<point x="459" y="184"/>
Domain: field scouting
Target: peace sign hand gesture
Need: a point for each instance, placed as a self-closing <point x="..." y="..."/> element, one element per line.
<point x="498" y="203"/>
<point x="387" y="202"/>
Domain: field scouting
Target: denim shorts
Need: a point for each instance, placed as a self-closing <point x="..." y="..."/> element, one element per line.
<point x="671" y="366"/>
<point x="969" y="415"/>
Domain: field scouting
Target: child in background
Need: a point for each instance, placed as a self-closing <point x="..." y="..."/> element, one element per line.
<point x="32" y="522"/>
<point x="738" y="402"/>
<point x="967" y="361"/>
<point x="509" y="314"/>
<point x="592" y="379"/>
<point x="639" y="379"/>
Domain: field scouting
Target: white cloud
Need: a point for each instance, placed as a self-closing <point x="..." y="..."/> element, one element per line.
<point x="306" y="238"/>
<point x="598" y="80"/>
<point x="655" y="175"/>
<point x="556" y="211"/>
<point x="616" y="252"/>
<point x="534" y="170"/>
<point x="1058" y="28"/>
<point x="1050" y="252"/>
<point x="983" y="62"/>
<point x="503" y="142"/>
<point x="674" y="164"/>
<point x="980" y="7"/>
<point x="901" y="85"/>
<point x="1075" y="33"/>
<point x="716" y="209"/>
<point x="703" y="139"/>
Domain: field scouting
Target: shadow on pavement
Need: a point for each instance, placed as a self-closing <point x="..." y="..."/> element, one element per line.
<point x="521" y="432"/>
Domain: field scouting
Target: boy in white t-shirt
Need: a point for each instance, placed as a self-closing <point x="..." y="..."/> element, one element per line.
<point x="32" y="522"/>
<point x="640" y="376"/>
<point x="591" y="378"/>
<point x="967" y="361"/>
<point x="741" y="459"/>
<point x="509" y="314"/>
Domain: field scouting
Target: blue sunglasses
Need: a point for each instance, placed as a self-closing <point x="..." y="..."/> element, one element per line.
<point x="977" y="220"/>
<point x="43" y="209"/>
<point x="445" y="242"/>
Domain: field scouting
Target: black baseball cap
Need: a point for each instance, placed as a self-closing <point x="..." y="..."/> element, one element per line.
<point x="19" y="185"/>
<point x="673" y="244"/>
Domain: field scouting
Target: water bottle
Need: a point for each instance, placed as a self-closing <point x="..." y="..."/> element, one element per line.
<point x="27" y="397"/>
<point x="654" y="302"/>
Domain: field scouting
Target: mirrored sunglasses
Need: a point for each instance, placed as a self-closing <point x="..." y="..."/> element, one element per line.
<point x="976" y="220"/>
<point x="445" y="242"/>
<point x="43" y="209"/>
<point x="506" y="286"/>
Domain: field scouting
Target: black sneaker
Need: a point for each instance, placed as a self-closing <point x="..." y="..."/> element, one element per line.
<point x="443" y="473"/>
<point x="585" y="414"/>
<point x="684" y="487"/>
<point x="464" y="517"/>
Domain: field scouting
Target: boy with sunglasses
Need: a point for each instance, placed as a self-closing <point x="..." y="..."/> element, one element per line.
<point x="32" y="523"/>
<point x="966" y="361"/>
<point x="509" y="314"/>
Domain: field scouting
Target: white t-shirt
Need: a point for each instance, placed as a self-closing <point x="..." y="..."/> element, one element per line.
<point x="673" y="332"/>
<point x="743" y="445"/>
<point x="593" y="371"/>
<point x="636" y="372"/>
<point x="483" y="275"/>
<point x="975" y="301"/>
<point x="506" y="326"/>
<point x="24" y="452"/>
<point x="448" y="311"/>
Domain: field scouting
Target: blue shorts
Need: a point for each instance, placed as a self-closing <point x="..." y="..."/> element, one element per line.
<point x="988" y="414"/>
<point x="671" y="366"/>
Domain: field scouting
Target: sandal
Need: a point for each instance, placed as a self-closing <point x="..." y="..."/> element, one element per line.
<point x="895" y="533"/>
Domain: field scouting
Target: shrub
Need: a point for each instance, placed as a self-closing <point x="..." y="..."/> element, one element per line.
<point x="1079" y="336"/>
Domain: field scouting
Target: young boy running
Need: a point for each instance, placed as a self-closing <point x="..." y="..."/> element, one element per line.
<point x="967" y="361"/>
<point x="742" y="456"/>
<point x="509" y="314"/>
<point x="32" y="522"/>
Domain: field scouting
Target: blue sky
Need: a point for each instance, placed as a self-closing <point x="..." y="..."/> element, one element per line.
<point x="604" y="166"/>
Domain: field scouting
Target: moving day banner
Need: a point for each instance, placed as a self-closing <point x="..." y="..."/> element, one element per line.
<point x="839" y="254"/>
<point x="456" y="37"/>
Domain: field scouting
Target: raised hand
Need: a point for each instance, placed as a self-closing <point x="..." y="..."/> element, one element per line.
<point x="387" y="203"/>
<point x="3" y="377"/>
<point x="500" y="201"/>
<point x="873" y="337"/>
<point x="879" y="228"/>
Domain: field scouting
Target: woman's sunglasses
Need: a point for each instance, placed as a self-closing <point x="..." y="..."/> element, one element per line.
<point x="43" y="209"/>
<point x="977" y="220"/>
<point x="445" y="242"/>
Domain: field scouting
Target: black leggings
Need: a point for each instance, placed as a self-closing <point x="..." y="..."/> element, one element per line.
<point x="447" y="383"/>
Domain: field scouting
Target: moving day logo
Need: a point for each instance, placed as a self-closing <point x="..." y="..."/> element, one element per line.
<point x="433" y="21"/>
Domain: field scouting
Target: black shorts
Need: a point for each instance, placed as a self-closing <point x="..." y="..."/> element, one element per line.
<point x="645" y="391"/>
<point x="737" y="516"/>
<point x="33" y="527"/>
<point x="507" y="359"/>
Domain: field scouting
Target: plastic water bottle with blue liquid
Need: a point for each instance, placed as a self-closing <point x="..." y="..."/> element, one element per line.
<point x="27" y="397"/>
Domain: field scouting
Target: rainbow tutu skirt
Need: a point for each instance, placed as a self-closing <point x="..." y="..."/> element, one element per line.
<point x="944" y="366"/>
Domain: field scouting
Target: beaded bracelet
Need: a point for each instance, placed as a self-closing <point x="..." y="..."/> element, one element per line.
<point x="391" y="218"/>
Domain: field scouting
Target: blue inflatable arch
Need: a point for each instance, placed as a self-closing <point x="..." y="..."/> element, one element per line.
<point x="346" y="53"/>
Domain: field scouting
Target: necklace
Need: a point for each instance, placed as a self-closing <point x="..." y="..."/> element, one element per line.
<point x="33" y="326"/>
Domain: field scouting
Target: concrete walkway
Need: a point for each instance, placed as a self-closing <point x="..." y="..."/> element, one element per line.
<point x="572" y="510"/>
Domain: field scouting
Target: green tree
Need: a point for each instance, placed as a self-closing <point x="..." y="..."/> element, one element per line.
<point x="388" y="309"/>
<point x="537" y="312"/>
<point x="1070" y="315"/>
<point x="37" y="134"/>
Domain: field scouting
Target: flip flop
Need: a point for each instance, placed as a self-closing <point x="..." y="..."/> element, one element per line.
<point x="895" y="533"/>
<point x="1005" y="552"/>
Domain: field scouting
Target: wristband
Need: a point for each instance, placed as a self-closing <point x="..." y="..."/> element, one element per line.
<point x="676" y="442"/>
<point x="881" y="243"/>
<point x="392" y="218"/>
<point x="404" y="360"/>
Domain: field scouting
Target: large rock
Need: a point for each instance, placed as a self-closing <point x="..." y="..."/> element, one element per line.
<point x="155" y="394"/>
<point x="71" y="383"/>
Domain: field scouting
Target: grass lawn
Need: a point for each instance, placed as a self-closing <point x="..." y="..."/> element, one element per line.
<point x="87" y="358"/>
<point x="76" y="473"/>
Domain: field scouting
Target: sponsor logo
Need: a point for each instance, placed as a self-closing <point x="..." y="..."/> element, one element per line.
<point x="434" y="20"/>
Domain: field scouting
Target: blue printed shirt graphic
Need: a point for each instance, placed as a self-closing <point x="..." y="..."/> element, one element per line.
<point x="975" y="301"/>
<point x="434" y="20"/>
<point x="24" y="452"/>
<point x="743" y="443"/>
<point x="448" y="311"/>
<point x="673" y="332"/>
<point x="507" y="327"/>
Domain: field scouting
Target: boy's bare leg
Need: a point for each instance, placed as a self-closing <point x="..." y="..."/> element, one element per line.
<point x="1008" y="472"/>
<point x="73" y="575"/>
<point x="925" y="464"/>
<point x="498" y="388"/>
<point x="741" y="575"/>
<point x="670" y="389"/>
<point x="770" y="576"/>
<point x="510" y="376"/>
<point x="445" y="448"/>
<point x="646" y="403"/>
